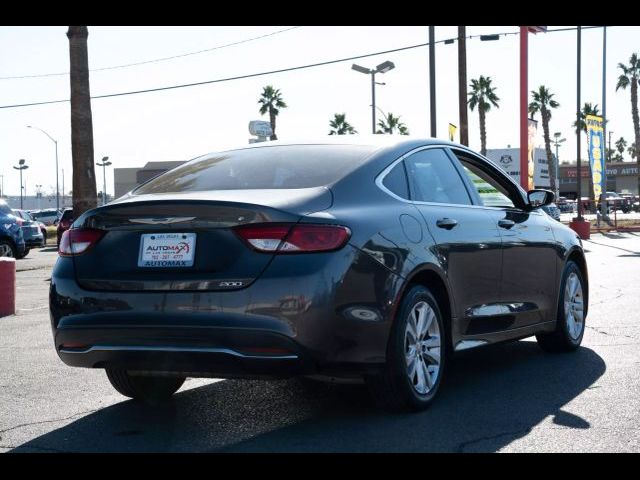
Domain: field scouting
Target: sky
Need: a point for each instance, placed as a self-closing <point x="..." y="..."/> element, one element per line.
<point x="181" y="124"/>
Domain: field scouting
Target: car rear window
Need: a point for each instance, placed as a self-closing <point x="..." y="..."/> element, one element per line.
<point x="282" y="167"/>
<point x="67" y="215"/>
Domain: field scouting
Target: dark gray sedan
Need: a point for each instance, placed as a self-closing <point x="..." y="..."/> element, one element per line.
<point x="33" y="234"/>
<point x="374" y="258"/>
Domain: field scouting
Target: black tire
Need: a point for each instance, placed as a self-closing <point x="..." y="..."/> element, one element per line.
<point x="392" y="389"/>
<point x="560" y="339"/>
<point x="24" y="254"/>
<point x="4" y="244"/>
<point x="148" y="389"/>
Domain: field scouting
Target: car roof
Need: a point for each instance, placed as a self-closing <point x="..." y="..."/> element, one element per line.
<point x="378" y="140"/>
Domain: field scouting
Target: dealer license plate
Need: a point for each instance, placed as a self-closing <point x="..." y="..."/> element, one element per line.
<point x="167" y="250"/>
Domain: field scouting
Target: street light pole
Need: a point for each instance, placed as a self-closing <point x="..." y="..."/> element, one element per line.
<point x="373" y="101"/>
<point x="432" y="80"/>
<point x="104" y="164"/>
<point x="57" y="182"/>
<point x="21" y="166"/>
<point x="384" y="67"/>
<point x="557" y="142"/>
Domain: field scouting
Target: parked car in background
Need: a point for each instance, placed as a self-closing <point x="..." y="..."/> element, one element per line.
<point x="11" y="237"/>
<point x="64" y="222"/>
<point x="552" y="210"/>
<point x="617" y="202"/>
<point x="47" y="216"/>
<point x="633" y="201"/>
<point x="352" y="258"/>
<point x="566" y="205"/>
<point x="33" y="237"/>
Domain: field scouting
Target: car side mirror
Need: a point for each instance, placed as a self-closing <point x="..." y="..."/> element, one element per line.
<point x="540" y="198"/>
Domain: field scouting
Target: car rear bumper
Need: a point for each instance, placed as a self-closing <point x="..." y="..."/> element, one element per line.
<point x="193" y="351"/>
<point x="32" y="242"/>
<point x="298" y="322"/>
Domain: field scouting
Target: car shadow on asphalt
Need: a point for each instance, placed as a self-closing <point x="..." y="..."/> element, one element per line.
<point x="490" y="398"/>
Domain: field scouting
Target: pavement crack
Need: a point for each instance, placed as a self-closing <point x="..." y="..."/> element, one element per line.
<point x="28" y="424"/>
<point x="603" y="332"/>
<point x="463" y="445"/>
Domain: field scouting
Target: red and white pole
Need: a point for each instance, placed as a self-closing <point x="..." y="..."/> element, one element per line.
<point x="524" y="109"/>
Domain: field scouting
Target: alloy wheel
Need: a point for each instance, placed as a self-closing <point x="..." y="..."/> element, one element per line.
<point x="6" y="250"/>
<point x="574" y="306"/>
<point x="423" y="346"/>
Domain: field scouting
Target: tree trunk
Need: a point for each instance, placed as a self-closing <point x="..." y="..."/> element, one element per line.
<point x="636" y="122"/>
<point x="84" y="179"/>
<point x="547" y="146"/>
<point x="483" y="131"/>
<point x="272" y="120"/>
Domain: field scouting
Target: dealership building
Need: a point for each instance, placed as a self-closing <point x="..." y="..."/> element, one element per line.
<point x="622" y="177"/>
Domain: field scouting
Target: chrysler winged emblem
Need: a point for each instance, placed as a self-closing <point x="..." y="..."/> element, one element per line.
<point x="160" y="221"/>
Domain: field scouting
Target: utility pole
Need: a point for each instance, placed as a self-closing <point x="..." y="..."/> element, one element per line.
<point x="578" y="131"/>
<point x="462" y="85"/>
<point x="432" y="79"/>
<point x="603" y="194"/>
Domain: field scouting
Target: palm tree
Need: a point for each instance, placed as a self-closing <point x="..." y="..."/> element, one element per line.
<point x="631" y="77"/>
<point x="587" y="109"/>
<point x="340" y="126"/>
<point x="542" y="102"/>
<point x="391" y="124"/>
<point x="84" y="179"/>
<point x="621" y="145"/>
<point x="483" y="95"/>
<point x="632" y="151"/>
<point x="271" y="101"/>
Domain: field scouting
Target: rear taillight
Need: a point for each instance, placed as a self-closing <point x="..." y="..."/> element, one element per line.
<point x="79" y="240"/>
<point x="292" y="238"/>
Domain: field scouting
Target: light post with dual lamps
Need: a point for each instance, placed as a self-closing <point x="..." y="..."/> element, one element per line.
<point x="105" y="163"/>
<point x="384" y="67"/>
<point x="21" y="166"/>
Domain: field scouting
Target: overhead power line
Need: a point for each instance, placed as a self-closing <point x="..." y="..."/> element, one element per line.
<point x="156" y="60"/>
<point x="271" y="72"/>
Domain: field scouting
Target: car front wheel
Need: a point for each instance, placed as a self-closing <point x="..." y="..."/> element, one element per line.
<point x="7" y="249"/>
<point x="415" y="355"/>
<point x="572" y="312"/>
<point x="146" y="388"/>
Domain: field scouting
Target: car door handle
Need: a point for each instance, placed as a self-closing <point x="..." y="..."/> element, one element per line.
<point x="447" y="223"/>
<point x="506" y="223"/>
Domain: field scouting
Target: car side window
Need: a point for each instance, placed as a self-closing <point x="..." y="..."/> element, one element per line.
<point x="434" y="178"/>
<point x="491" y="193"/>
<point x="396" y="181"/>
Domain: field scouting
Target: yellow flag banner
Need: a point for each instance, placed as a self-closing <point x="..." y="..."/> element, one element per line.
<point x="595" y="134"/>
<point x="452" y="131"/>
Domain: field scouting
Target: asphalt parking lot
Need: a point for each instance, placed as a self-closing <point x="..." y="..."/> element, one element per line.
<point x="508" y="398"/>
